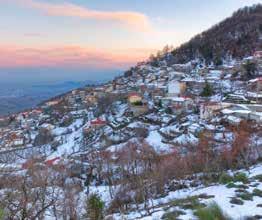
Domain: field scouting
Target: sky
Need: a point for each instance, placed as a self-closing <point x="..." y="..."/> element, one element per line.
<point x="59" y="40"/>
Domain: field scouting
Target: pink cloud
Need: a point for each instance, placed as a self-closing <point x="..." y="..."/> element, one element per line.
<point x="17" y="56"/>
<point x="129" y="19"/>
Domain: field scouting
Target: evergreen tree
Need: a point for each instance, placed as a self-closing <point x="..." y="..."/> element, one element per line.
<point x="250" y="69"/>
<point x="94" y="208"/>
<point x="207" y="91"/>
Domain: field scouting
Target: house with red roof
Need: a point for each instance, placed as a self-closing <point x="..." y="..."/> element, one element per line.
<point x="134" y="98"/>
<point x="97" y="123"/>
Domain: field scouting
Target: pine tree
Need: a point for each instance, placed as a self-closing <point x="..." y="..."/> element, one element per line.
<point x="250" y="69"/>
<point x="207" y="91"/>
<point x="94" y="208"/>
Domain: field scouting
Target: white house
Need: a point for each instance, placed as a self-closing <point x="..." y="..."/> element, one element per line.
<point x="175" y="88"/>
<point x="207" y="110"/>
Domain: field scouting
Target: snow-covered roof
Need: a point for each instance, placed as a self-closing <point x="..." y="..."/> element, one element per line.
<point x="177" y="99"/>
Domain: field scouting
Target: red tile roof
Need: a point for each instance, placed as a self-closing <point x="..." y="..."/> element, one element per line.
<point x="98" y="122"/>
<point x="52" y="161"/>
<point x="133" y="94"/>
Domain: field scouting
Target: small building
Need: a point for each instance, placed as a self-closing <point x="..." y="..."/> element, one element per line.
<point x="91" y="99"/>
<point x="134" y="98"/>
<point x="195" y="85"/>
<point x="15" y="139"/>
<point x="236" y="98"/>
<point x="174" y="75"/>
<point x="256" y="84"/>
<point x="208" y="110"/>
<point x="233" y="120"/>
<point x="97" y="123"/>
<point x="138" y="110"/>
<point x="177" y="104"/>
<point x="176" y="88"/>
<point x="52" y="162"/>
<point x="79" y="114"/>
<point x="52" y="102"/>
<point x="47" y="126"/>
<point x="239" y="111"/>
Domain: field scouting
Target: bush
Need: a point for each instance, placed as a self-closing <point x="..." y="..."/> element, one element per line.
<point x="242" y="186"/>
<point x="225" y="178"/>
<point x="236" y="201"/>
<point x="245" y="196"/>
<point x="257" y="192"/>
<point x="258" y="177"/>
<point x="172" y="215"/>
<point x="212" y="212"/>
<point x="188" y="203"/>
<point x="95" y="208"/>
<point x="241" y="177"/>
<point x="231" y="185"/>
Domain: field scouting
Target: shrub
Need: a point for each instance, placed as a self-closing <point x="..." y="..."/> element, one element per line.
<point x="258" y="177"/>
<point x="257" y="192"/>
<point x="188" y="203"/>
<point x="205" y="196"/>
<point x="241" y="177"/>
<point x="236" y="201"/>
<point x="245" y="196"/>
<point x="172" y="215"/>
<point x="95" y="208"/>
<point x="212" y="212"/>
<point x="242" y="186"/>
<point x="231" y="185"/>
<point x="241" y="191"/>
<point x="225" y="178"/>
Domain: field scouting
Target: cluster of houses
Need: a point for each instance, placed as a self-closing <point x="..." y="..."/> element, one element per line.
<point x="174" y="89"/>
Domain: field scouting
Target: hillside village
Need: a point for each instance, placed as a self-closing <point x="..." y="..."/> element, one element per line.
<point x="161" y="137"/>
<point x="165" y="96"/>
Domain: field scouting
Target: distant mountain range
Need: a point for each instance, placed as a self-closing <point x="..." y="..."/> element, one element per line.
<point x="17" y="98"/>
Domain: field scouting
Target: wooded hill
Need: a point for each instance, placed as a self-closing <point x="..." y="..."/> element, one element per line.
<point x="237" y="36"/>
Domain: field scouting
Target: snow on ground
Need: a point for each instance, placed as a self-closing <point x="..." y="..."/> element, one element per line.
<point x="60" y="131"/>
<point x="186" y="139"/>
<point x="221" y="195"/>
<point x="169" y="129"/>
<point x="103" y="192"/>
<point x="224" y="136"/>
<point x="154" y="139"/>
<point x="70" y="145"/>
<point x="139" y="124"/>
<point x="119" y="147"/>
